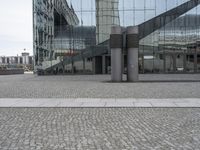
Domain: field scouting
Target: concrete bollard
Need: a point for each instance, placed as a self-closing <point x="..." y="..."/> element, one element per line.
<point x="116" y="44"/>
<point x="132" y="53"/>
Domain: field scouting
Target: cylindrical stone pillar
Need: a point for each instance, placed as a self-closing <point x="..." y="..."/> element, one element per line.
<point x="116" y="44"/>
<point x="132" y="53"/>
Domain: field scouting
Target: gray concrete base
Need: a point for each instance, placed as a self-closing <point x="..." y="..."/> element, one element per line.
<point x="85" y="102"/>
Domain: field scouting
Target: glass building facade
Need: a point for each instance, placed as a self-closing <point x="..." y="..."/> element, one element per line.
<point x="72" y="36"/>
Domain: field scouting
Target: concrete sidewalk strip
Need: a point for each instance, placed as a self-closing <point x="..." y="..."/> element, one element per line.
<point x="29" y="102"/>
<point x="120" y="104"/>
<point x="93" y="104"/>
<point x="7" y="103"/>
<point x="189" y="104"/>
<point x="70" y="104"/>
<point x="143" y="104"/>
<point x="163" y="104"/>
<point x="89" y="102"/>
<point x="105" y="100"/>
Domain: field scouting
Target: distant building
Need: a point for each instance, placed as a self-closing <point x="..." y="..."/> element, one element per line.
<point x="24" y="61"/>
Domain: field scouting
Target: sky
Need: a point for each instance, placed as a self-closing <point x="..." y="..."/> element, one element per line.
<point x="15" y="27"/>
<point x="16" y="20"/>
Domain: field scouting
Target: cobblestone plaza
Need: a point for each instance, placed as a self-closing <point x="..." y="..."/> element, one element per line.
<point x="99" y="129"/>
<point x="98" y="86"/>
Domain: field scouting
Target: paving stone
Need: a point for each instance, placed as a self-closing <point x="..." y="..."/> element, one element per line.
<point x="97" y="86"/>
<point x="102" y="128"/>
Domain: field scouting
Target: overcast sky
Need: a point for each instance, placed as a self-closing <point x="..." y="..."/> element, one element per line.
<point x="15" y="27"/>
<point x="16" y="21"/>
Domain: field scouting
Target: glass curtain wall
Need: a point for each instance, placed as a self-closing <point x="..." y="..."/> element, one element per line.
<point x="174" y="47"/>
<point x="69" y="33"/>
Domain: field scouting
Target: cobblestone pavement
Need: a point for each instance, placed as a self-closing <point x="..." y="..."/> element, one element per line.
<point x="95" y="86"/>
<point x="105" y="128"/>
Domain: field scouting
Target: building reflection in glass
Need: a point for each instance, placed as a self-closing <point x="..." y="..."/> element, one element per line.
<point x="68" y="30"/>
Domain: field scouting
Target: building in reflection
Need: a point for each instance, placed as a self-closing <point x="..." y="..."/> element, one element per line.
<point x="72" y="36"/>
<point x="107" y="15"/>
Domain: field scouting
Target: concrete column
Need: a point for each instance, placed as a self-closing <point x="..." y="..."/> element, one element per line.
<point x="23" y="60"/>
<point x="103" y="64"/>
<point x="18" y="60"/>
<point x="27" y="60"/>
<point x="174" y="62"/>
<point x="196" y="57"/>
<point x="84" y="65"/>
<point x="116" y="43"/>
<point x="72" y="63"/>
<point x="93" y="65"/>
<point x="10" y="60"/>
<point x="132" y="53"/>
<point x="184" y="62"/>
<point x="195" y="62"/>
